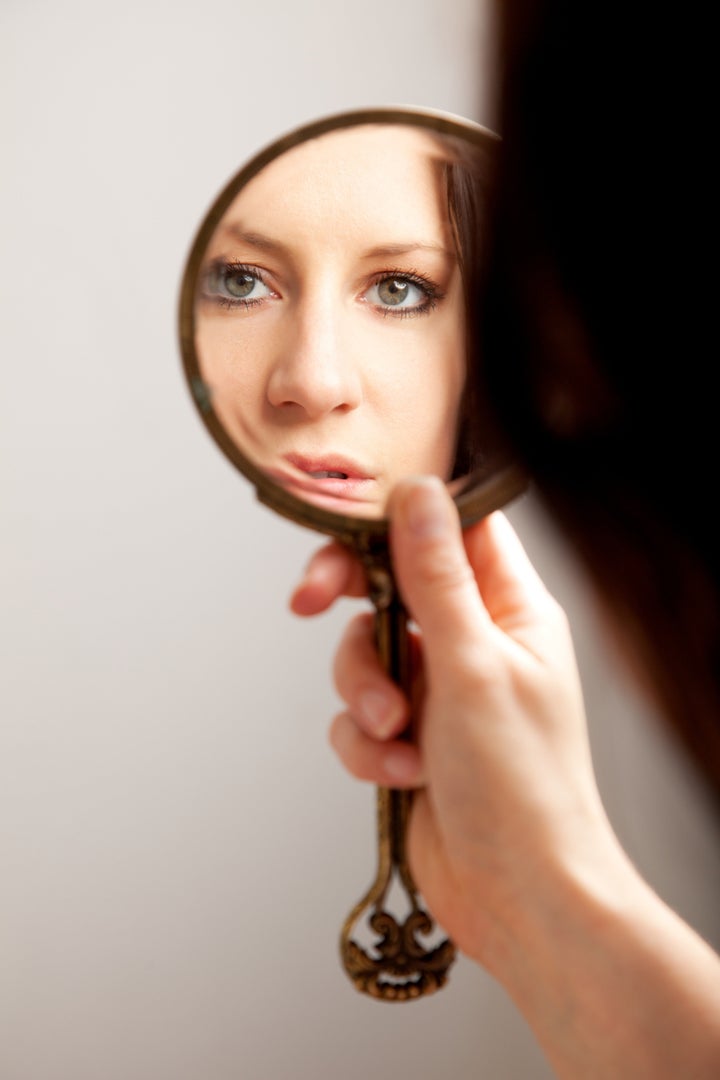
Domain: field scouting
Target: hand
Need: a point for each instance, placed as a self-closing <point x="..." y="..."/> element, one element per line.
<point x="508" y="840"/>
<point x="502" y="765"/>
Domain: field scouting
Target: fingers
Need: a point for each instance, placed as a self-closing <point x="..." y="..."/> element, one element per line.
<point x="393" y="764"/>
<point x="364" y="737"/>
<point x="463" y="589"/>
<point x="502" y="569"/>
<point x="511" y="588"/>
<point x="332" y="572"/>
<point x="377" y="705"/>
<point x="435" y="577"/>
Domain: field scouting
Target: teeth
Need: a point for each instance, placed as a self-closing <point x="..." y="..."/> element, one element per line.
<point x="326" y="474"/>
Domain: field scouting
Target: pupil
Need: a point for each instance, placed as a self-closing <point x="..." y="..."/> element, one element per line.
<point x="239" y="285"/>
<point x="393" y="291"/>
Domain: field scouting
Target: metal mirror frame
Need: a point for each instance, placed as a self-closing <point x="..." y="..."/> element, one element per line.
<point x="483" y="492"/>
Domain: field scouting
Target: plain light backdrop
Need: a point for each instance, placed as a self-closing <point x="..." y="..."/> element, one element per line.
<point x="178" y="847"/>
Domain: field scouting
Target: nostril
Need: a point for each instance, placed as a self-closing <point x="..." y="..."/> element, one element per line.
<point x="303" y="380"/>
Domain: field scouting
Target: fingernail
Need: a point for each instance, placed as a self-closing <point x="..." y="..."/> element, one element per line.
<point x="425" y="508"/>
<point x="377" y="709"/>
<point x="402" y="765"/>
<point x="305" y="578"/>
<point x="297" y="595"/>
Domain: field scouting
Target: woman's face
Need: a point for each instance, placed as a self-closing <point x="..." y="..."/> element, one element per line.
<point x="330" y="318"/>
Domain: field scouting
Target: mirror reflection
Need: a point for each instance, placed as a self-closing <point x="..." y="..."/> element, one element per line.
<point x="330" y="313"/>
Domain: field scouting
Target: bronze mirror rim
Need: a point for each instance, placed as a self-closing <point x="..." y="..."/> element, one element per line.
<point x="481" y="497"/>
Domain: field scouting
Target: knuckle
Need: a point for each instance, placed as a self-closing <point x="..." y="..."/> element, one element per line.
<point x="355" y="656"/>
<point x="357" y="755"/>
<point x="443" y="573"/>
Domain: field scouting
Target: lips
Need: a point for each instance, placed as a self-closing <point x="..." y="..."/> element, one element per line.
<point x="328" y="467"/>
<point x="329" y="480"/>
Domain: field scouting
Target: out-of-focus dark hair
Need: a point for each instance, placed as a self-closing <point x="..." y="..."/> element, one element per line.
<point x="467" y="171"/>
<point x="595" y="326"/>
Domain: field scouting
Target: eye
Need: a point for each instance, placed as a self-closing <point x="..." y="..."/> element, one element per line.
<point x="402" y="294"/>
<point x="236" y="285"/>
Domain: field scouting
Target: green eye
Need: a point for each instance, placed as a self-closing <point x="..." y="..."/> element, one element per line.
<point x="239" y="284"/>
<point x="403" y="294"/>
<point x="394" y="291"/>
<point x="230" y="283"/>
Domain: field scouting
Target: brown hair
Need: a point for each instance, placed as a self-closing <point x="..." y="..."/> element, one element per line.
<point x="467" y="172"/>
<point x="595" y="330"/>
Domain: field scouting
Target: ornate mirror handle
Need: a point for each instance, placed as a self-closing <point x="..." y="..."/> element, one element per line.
<point x="396" y="966"/>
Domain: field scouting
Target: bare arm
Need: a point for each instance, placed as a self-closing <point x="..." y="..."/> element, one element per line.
<point x="509" y="841"/>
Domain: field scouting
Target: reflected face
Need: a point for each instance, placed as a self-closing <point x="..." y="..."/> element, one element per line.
<point x="330" y="320"/>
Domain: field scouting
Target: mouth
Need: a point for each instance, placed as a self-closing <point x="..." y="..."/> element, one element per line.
<point x="328" y="474"/>
<point x="332" y="481"/>
<point x="328" y="467"/>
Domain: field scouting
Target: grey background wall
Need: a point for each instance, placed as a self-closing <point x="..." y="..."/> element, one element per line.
<point x="178" y="847"/>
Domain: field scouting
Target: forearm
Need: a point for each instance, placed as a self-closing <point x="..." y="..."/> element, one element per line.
<point x="612" y="981"/>
<point x="508" y="841"/>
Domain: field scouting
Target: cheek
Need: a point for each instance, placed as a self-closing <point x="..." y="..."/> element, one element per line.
<point x="438" y="399"/>
<point x="438" y="375"/>
<point x="422" y="359"/>
<point x="232" y="358"/>
<point x="453" y="350"/>
<point x="415" y="385"/>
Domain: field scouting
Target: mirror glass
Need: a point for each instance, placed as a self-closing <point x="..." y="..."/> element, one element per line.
<point x="326" y="304"/>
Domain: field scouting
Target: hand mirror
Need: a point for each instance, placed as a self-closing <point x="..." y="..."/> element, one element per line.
<point x="326" y="344"/>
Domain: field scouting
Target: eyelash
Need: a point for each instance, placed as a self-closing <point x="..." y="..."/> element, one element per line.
<point x="433" y="293"/>
<point x="222" y="268"/>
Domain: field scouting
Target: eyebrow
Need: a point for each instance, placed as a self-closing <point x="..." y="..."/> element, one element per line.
<point x="255" y="239"/>
<point x="267" y="243"/>
<point x="406" y="248"/>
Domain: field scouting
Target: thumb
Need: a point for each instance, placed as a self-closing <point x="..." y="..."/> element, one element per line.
<point x="431" y="567"/>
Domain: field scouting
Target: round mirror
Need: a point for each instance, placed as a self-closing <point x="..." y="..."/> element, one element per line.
<point x="324" y="318"/>
<point x="327" y="343"/>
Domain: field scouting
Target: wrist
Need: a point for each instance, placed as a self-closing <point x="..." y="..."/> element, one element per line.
<point x="609" y="978"/>
<point x="567" y="896"/>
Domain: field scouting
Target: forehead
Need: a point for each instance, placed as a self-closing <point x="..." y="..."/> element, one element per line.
<point x="379" y="179"/>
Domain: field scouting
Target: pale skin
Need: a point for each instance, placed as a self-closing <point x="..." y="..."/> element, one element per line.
<point x="330" y="320"/>
<point x="508" y="839"/>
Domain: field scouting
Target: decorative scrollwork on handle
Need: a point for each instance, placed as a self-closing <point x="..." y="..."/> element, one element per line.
<point x="404" y="968"/>
<point x="397" y="967"/>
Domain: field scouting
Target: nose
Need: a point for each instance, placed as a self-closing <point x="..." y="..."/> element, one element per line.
<point x="313" y="373"/>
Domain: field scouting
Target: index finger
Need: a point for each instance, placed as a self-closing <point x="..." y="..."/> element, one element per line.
<point x="332" y="572"/>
